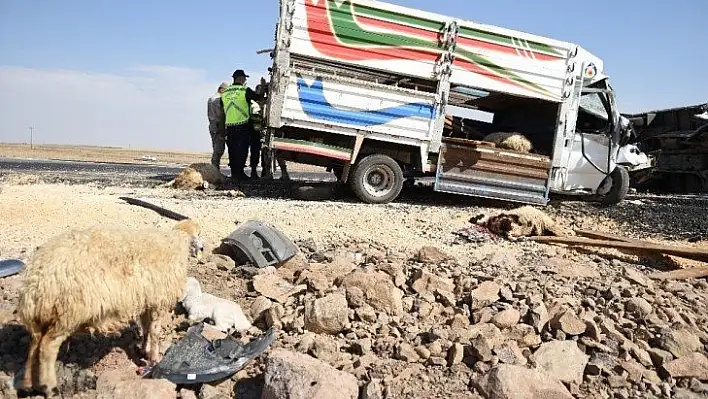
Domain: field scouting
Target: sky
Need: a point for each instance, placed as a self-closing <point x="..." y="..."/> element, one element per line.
<point x="138" y="73"/>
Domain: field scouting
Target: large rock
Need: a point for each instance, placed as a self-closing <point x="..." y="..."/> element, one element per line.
<point x="519" y="382"/>
<point x="693" y="365"/>
<point x="379" y="291"/>
<point x="427" y="282"/>
<point x="569" y="323"/>
<point x="297" y="376"/>
<point x="140" y="388"/>
<point x="562" y="359"/>
<point x="328" y="315"/>
<point x="431" y="255"/>
<point x="274" y="287"/>
<point x="680" y="342"/>
<point x="484" y="295"/>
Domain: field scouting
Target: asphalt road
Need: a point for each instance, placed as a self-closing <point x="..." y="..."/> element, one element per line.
<point x="71" y="169"/>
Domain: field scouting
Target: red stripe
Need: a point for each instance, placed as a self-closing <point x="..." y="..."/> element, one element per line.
<point x="322" y="37"/>
<point x="502" y="48"/>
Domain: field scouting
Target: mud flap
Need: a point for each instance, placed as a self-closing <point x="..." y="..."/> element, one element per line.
<point x="479" y="169"/>
<point x="195" y="360"/>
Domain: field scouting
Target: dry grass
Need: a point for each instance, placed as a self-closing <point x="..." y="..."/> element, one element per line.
<point x="102" y="154"/>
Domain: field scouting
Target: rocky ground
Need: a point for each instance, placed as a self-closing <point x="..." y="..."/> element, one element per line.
<point x="397" y="301"/>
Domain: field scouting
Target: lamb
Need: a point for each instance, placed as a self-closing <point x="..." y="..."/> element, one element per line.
<point x="525" y="221"/>
<point x="200" y="305"/>
<point x="197" y="176"/>
<point x="510" y="141"/>
<point x="99" y="280"/>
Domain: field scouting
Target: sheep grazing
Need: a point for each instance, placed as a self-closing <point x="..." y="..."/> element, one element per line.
<point x="197" y="176"/>
<point x="525" y="221"/>
<point x="100" y="280"/>
<point x="200" y="305"/>
<point x="510" y="141"/>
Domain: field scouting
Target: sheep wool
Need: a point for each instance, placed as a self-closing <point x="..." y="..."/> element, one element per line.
<point x="198" y="176"/>
<point x="525" y="221"/>
<point x="99" y="280"/>
<point x="510" y="141"/>
<point x="200" y="305"/>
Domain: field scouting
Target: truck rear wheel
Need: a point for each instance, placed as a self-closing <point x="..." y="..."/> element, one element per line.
<point x="619" y="187"/>
<point x="376" y="179"/>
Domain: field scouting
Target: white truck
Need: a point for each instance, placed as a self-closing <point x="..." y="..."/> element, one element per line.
<point x="381" y="94"/>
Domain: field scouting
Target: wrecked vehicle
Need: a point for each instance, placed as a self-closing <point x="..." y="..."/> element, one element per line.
<point x="380" y="94"/>
<point x="677" y="140"/>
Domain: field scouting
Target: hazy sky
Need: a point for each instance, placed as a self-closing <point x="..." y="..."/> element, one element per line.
<point x="138" y="73"/>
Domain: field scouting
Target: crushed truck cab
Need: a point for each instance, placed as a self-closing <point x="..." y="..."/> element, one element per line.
<point x="380" y="94"/>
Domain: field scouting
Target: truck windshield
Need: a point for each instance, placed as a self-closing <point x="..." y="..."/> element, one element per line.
<point x="592" y="104"/>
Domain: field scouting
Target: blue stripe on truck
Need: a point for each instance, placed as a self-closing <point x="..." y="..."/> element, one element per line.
<point x="316" y="106"/>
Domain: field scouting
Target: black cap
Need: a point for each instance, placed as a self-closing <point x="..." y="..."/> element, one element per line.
<point x="239" y="73"/>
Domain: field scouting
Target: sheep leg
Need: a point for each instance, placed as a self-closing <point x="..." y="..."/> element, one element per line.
<point x="48" y="353"/>
<point x="150" y="325"/>
<point x="30" y="376"/>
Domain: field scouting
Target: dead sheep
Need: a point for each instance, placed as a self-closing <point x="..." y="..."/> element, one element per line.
<point x="99" y="280"/>
<point x="510" y="141"/>
<point x="525" y="221"/>
<point x="200" y="305"/>
<point x="198" y="176"/>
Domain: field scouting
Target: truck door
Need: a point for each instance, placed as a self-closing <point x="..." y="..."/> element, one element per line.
<point x="479" y="169"/>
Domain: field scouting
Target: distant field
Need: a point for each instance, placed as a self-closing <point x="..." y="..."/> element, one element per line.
<point x="120" y="155"/>
<point x="102" y="154"/>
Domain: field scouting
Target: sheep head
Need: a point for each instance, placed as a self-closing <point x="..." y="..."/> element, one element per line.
<point x="191" y="288"/>
<point x="192" y="229"/>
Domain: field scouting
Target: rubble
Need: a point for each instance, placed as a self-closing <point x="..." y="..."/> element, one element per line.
<point x="489" y="319"/>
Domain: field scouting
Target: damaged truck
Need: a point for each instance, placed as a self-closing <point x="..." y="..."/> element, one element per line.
<point x="382" y="94"/>
<point x="676" y="139"/>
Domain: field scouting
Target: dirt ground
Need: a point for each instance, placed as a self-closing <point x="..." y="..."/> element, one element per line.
<point x="31" y="213"/>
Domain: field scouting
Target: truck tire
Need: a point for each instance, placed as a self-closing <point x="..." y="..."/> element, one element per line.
<point x="376" y="179"/>
<point x="619" y="180"/>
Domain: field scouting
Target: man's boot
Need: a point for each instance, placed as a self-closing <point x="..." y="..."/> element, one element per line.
<point x="254" y="172"/>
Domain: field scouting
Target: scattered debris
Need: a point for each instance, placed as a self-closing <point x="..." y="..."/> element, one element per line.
<point x="10" y="267"/>
<point x="260" y="243"/>
<point x="195" y="359"/>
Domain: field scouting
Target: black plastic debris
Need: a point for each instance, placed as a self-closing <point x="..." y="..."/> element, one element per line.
<point x="195" y="359"/>
<point x="260" y="244"/>
<point x="10" y="267"/>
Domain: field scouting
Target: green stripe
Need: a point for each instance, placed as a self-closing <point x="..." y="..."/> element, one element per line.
<point x="398" y="17"/>
<point x="483" y="62"/>
<point x="349" y="32"/>
<point x="505" y="40"/>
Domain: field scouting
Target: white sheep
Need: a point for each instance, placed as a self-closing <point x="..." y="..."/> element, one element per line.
<point x="201" y="305"/>
<point x="197" y="176"/>
<point x="525" y="221"/>
<point x="510" y="141"/>
<point x="99" y="280"/>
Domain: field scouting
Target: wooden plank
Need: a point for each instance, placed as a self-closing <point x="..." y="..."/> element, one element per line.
<point x="605" y="236"/>
<point x="682" y="274"/>
<point x="684" y="252"/>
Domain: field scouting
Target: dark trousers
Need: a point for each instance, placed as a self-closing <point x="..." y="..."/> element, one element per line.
<point x="255" y="148"/>
<point x="238" y="140"/>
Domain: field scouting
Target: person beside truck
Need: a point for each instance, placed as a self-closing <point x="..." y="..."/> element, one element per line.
<point x="217" y="127"/>
<point x="236" y="100"/>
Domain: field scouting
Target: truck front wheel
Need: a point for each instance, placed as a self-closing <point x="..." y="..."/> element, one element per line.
<point x="619" y="186"/>
<point x="376" y="179"/>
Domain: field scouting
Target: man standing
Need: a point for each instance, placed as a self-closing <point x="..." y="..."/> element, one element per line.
<point x="236" y="100"/>
<point x="217" y="127"/>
